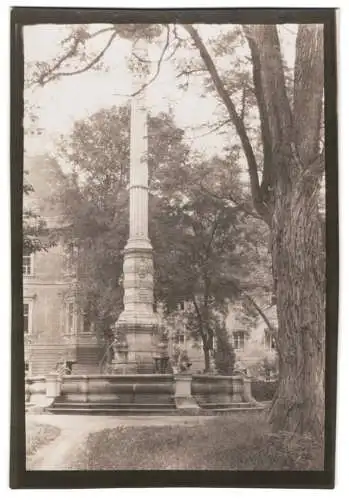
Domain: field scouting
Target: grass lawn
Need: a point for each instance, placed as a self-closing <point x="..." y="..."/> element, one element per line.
<point x="236" y="442"/>
<point x="37" y="436"/>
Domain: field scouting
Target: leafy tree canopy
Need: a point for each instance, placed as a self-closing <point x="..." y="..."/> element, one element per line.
<point x="202" y="242"/>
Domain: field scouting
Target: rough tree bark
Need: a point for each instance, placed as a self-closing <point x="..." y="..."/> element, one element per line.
<point x="203" y="324"/>
<point x="297" y="253"/>
<point x="206" y="357"/>
<point x="287" y="199"/>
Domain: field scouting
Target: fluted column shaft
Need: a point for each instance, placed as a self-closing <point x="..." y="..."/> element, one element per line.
<point x="138" y="319"/>
<point x="139" y="170"/>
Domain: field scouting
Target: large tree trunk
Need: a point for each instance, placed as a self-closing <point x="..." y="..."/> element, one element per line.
<point x="202" y="318"/>
<point x="287" y="199"/>
<point x="206" y="357"/>
<point x="298" y="269"/>
<point x="297" y="245"/>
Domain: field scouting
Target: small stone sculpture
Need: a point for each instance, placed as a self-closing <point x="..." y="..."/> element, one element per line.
<point x="180" y="360"/>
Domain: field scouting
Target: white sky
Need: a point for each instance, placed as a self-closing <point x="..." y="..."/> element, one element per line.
<point x="76" y="97"/>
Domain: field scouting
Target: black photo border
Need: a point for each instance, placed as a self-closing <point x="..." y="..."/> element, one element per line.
<point x="19" y="477"/>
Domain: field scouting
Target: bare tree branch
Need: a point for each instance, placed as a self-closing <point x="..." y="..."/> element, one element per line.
<point x="158" y="67"/>
<point x="70" y="53"/>
<point x="51" y="75"/>
<point x="178" y="43"/>
<point x="261" y="207"/>
<point x="187" y="72"/>
<point x="243" y="103"/>
<point x="309" y="66"/>
<point x="214" y="128"/>
<point x="239" y="206"/>
<point x="177" y="37"/>
<point x="213" y="231"/>
<point x="263" y="114"/>
<point x="141" y="59"/>
<point x="100" y="32"/>
<point x="273" y="102"/>
<point x="253" y="303"/>
<point x="157" y="71"/>
<point x="260" y="311"/>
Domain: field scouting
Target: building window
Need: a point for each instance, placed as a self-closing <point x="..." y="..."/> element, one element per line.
<point x="269" y="340"/>
<point x="70" y="318"/>
<point x="27" y="318"/>
<point x="27" y="263"/>
<point x="70" y="259"/>
<point x="181" y="339"/>
<point x="238" y="340"/>
<point x="86" y="321"/>
<point x="181" y="306"/>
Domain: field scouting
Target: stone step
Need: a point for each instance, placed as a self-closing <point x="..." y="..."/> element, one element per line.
<point x="217" y="405"/>
<point x="116" y="408"/>
<point x="117" y="405"/>
<point x="86" y="369"/>
<point x="110" y="410"/>
<point x="146" y="411"/>
<point x="234" y="409"/>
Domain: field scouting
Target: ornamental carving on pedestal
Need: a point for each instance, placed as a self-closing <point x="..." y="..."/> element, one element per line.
<point x="144" y="268"/>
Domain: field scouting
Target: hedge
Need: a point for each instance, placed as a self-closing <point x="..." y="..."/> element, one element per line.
<point x="263" y="391"/>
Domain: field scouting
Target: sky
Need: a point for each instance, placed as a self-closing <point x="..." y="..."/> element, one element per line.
<point x="72" y="98"/>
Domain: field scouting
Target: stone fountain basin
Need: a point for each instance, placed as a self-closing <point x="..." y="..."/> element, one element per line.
<point x="206" y="390"/>
<point x="137" y="388"/>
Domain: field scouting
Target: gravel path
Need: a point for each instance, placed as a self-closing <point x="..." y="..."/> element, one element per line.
<point x="75" y="429"/>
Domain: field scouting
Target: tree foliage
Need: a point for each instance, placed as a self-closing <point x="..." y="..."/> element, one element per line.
<point x="203" y="243"/>
<point x="94" y="199"/>
<point x="205" y="249"/>
<point x="36" y="236"/>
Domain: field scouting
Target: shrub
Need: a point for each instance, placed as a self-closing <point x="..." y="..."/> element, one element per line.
<point x="263" y="391"/>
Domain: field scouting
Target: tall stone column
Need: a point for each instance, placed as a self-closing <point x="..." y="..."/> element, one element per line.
<point x="138" y="325"/>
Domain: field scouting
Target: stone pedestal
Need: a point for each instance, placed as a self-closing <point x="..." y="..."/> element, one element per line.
<point x="84" y="388"/>
<point x="238" y="389"/>
<point x="247" y="394"/>
<point x="53" y="387"/>
<point x="141" y="345"/>
<point x="183" y="397"/>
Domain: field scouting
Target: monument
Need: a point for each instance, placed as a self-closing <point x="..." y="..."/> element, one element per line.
<point x="138" y="327"/>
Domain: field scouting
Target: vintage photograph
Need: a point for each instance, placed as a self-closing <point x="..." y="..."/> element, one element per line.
<point x="174" y="246"/>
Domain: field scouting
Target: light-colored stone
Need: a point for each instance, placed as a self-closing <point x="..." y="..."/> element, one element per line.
<point x="247" y="394"/>
<point x="53" y="387"/>
<point x="138" y="325"/>
<point x="183" y="396"/>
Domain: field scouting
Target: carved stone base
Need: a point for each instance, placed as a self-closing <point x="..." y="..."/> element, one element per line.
<point x="141" y="341"/>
